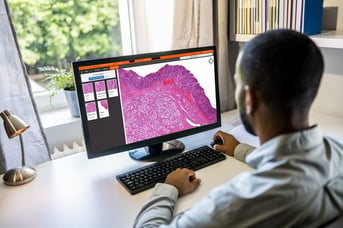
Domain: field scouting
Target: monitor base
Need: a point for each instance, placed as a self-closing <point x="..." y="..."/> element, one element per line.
<point x="158" y="152"/>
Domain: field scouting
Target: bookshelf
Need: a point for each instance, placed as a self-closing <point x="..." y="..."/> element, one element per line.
<point x="327" y="39"/>
<point x="328" y="101"/>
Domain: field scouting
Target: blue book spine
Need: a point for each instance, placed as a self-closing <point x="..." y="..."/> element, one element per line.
<point x="312" y="16"/>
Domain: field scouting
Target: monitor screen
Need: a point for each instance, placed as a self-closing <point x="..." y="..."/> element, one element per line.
<point x="144" y="102"/>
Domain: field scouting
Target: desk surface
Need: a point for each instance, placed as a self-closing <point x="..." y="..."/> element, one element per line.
<point x="77" y="192"/>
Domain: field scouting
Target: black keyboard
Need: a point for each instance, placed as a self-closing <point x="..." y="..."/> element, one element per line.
<point x="140" y="179"/>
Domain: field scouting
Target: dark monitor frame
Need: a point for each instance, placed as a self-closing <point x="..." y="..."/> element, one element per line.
<point x="155" y="56"/>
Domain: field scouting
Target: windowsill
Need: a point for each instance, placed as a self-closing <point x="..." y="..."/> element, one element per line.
<point x="61" y="128"/>
<point x="57" y="117"/>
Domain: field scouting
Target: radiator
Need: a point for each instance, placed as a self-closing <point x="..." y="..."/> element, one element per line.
<point x="66" y="150"/>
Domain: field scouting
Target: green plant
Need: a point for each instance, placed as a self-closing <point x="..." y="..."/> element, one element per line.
<point x="58" y="79"/>
<point x="55" y="32"/>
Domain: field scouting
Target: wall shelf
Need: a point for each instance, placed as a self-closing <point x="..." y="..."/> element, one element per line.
<point x="329" y="39"/>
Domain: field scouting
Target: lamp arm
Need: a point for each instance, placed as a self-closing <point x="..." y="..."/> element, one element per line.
<point x="22" y="151"/>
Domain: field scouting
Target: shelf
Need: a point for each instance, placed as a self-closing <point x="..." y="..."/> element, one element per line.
<point x="329" y="39"/>
<point x="241" y="37"/>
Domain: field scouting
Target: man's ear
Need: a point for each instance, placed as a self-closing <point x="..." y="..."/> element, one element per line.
<point x="250" y="101"/>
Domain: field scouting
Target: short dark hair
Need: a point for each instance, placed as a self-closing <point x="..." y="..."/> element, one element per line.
<point x="285" y="67"/>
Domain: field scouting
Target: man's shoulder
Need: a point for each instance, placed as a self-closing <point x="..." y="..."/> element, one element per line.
<point x="334" y="139"/>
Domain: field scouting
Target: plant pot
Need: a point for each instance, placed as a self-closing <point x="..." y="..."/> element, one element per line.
<point x="73" y="102"/>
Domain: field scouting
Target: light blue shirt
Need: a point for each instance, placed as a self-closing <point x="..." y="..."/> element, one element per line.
<point x="298" y="182"/>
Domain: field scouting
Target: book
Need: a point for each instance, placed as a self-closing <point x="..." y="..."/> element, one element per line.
<point x="312" y="17"/>
<point x="257" y="16"/>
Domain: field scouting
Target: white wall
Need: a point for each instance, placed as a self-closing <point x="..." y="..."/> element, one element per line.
<point x="333" y="13"/>
<point x="330" y="96"/>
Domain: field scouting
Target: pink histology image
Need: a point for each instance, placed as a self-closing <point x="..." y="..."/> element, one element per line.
<point x="104" y="104"/>
<point x="91" y="107"/>
<point x="112" y="84"/>
<point x="100" y="89"/>
<point x="103" y="108"/>
<point x="162" y="102"/>
<point x="100" y="86"/>
<point x="87" y="88"/>
<point x="88" y="91"/>
<point x="91" y="111"/>
<point x="112" y="88"/>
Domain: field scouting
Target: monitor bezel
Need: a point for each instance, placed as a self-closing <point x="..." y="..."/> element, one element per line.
<point x="152" y="141"/>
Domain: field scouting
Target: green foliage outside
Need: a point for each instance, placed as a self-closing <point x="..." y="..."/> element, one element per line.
<point x="57" y="32"/>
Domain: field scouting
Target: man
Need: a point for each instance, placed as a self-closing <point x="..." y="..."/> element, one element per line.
<point x="299" y="173"/>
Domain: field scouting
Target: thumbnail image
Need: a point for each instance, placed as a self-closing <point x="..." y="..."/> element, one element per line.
<point x="112" y="88"/>
<point x="88" y="91"/>
<point x="103" y="109"/>
<point x="91" y="111"/>
<point x="100" y="90"/>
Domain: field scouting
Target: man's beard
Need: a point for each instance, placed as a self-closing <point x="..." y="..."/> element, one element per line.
<point x="245" y="120"/>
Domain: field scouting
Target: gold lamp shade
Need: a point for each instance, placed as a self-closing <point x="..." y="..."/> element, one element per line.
<point x="15" y="126"/>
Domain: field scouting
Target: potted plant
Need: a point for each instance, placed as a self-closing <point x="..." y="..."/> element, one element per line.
<point x="62" y="80"/>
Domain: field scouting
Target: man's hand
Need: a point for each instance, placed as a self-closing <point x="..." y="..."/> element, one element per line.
<point x="184" y="180"/>
<point x="229" y="143"/>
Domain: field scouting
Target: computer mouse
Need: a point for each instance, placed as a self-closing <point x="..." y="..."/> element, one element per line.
<point x="218" y="141"/>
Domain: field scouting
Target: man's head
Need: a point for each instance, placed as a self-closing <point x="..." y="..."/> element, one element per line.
<point x="284" y="68"/>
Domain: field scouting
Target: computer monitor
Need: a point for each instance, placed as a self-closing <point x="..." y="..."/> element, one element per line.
<point x="143" y="103"/>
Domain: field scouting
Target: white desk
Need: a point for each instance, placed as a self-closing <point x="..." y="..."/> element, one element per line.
<point x="77" y="192"/>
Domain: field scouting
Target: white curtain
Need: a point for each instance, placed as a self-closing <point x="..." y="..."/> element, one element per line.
<point x="227" y="53"/>
<point x="15" y="94"/>
<point x="175" y="24"/>
<point x="151" y="26"/>
<point x="193" y="23"/>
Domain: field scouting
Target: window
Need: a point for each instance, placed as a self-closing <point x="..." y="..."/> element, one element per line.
<point x="55" y="33"/>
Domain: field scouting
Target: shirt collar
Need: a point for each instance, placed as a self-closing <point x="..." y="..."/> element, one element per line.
<point x="284" y="145"/>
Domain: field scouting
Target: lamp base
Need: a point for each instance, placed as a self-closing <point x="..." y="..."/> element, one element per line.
<point x="19" y="176"/>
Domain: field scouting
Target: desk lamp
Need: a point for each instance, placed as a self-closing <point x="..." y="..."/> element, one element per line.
<point x="14" y="126"/>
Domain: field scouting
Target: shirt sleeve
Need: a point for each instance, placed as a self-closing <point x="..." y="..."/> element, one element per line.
<point x="242" y="150"/>
<point x="216" y="210"/>
<point x="159" y="208"/>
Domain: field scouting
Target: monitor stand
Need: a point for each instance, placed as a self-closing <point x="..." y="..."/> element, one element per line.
<point x="158" y="152"/>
